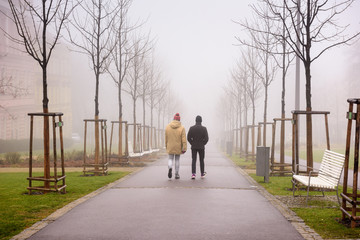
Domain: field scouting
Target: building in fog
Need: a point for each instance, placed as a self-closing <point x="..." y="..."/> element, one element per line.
<point x="25" y="75"/>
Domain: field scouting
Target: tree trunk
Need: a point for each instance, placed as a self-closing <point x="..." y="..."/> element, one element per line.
<point x="45" y="104"/>
<point x="236" y="127"/>
<point x="240" y="125"/>
<point x="120" y="120"/>
<point x="151" y="126"/>
<point x="309" y="144"/>
<point x="144" y="125"/>
<point x="245" y="124"/>
<point x="265" y="115"/>
<point x="46" y="131"/>
<point x="282" y="128"/>
<point x="134" y="130"/>
<point x="97" y="141"/>
<point x="253" y="129"/>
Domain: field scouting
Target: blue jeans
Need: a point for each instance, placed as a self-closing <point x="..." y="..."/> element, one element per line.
<point x="177" y="162"/>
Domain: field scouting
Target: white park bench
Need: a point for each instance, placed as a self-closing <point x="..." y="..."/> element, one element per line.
<point x="131" y="151"/>
<point x="328" y="176"/>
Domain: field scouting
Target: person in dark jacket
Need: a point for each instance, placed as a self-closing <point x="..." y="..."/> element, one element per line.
<point x="198" y="137"/>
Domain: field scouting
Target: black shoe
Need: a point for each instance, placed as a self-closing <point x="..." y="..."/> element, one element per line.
<point x="177" y="176"/>
<point x="170" y="173"/>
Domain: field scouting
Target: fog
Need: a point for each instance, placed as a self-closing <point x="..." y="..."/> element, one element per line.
<point x="195" y="48"/>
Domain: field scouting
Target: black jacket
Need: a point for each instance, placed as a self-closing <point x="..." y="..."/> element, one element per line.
<point x="198" y="136"/>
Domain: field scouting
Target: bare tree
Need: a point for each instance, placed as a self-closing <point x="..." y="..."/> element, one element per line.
<point x="93" y="21"/>
<point x="318" y="26"/>
<point x="264" y="43"/>
<point x="253" y="84"/>
<point x="121" y="56"/>
<point x="155" y="89"/>
<point x="160" y="103"/>
<point x="136" y="73"/>
<point x="236" y="88"/>
<point x="144" y="89"/>
<point x="274" y="50"/>
<point x="38" y="25"/>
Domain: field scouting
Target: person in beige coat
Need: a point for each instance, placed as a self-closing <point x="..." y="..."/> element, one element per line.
<point x="175" y="142"/>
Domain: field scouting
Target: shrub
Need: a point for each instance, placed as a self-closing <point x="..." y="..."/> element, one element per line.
<point x="12" y="157"/>
<point x="74" y="155"/>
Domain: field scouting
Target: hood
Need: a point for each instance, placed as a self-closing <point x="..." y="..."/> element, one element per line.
<point x="175" y="124"/>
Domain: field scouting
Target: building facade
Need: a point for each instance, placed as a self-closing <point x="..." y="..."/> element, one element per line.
<point x="21" y="87"/>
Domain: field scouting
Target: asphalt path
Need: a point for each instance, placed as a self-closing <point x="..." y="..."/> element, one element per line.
<point x="148" y="205"/>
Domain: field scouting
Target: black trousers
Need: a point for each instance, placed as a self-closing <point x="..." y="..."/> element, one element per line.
<point x="201" y="157"/>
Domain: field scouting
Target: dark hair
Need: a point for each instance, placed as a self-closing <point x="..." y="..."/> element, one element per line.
<point x="198" y="119"/>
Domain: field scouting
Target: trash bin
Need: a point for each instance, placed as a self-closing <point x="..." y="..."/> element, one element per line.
<point x="262" y="162"/>
<point x="229" y="148"/>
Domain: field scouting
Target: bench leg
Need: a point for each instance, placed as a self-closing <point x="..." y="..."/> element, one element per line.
<point x="337" y="195"/>
<point x="307" y="196"/>
<point x="293" y="187"/>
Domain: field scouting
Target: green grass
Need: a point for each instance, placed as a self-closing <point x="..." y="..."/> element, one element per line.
<point x="282" y="186"/>
<point x="243" y="163"/>
<point x="322" y="216"/>
<point x="325" y="222"/>
<point x="19" y="210"/>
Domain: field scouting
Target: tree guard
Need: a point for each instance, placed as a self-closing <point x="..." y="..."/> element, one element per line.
<point x="96" y="167"/>
<point x="351" y="198"/>
<point x="122" y="158"/>
<point x="137" y="138"/>
<point x="251" y="155"/>
<point x="238" y="141"/>
<point x="56" y="178"/>
<point x="281" y="167"/>
<point x="146" y="138"/>
<point x="295" y="139"/>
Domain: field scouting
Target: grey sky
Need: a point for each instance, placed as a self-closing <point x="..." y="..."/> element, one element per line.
<point x="195" y="49"/>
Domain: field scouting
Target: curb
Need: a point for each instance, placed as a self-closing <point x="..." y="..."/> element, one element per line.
<point x="299" y="224"/>
<point x="60" y="212"/>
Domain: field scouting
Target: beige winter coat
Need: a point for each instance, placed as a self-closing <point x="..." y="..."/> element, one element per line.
<point x="175" y="138"/>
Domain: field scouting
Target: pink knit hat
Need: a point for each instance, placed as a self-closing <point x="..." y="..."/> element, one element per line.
<point x="177" y="117"/>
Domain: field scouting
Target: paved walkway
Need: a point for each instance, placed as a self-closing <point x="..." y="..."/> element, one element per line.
<point x="147" y="205"/>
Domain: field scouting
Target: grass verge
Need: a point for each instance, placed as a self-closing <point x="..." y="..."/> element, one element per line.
<point x="323" y="215"/>
<point x="19" y="211"/>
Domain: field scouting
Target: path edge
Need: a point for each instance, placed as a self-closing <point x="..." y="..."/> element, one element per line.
<point x="28" y="232"/>
<point x="306" y="232"/>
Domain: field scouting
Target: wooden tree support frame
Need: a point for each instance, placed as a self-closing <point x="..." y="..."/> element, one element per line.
<point x="54" y="180"/>
<point x="295" y="139"/>
<point x="351" y="198"/>
<point x="137" y="138"/>
<point x="97" y="168"/>
<point x="123" y="158"/>
<point x="279" y="168"/>
<point x="146" y="137"/>
<point x="252" y="154"/>
<point x="238" y="141"/>
<point x="262" y="125"/>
